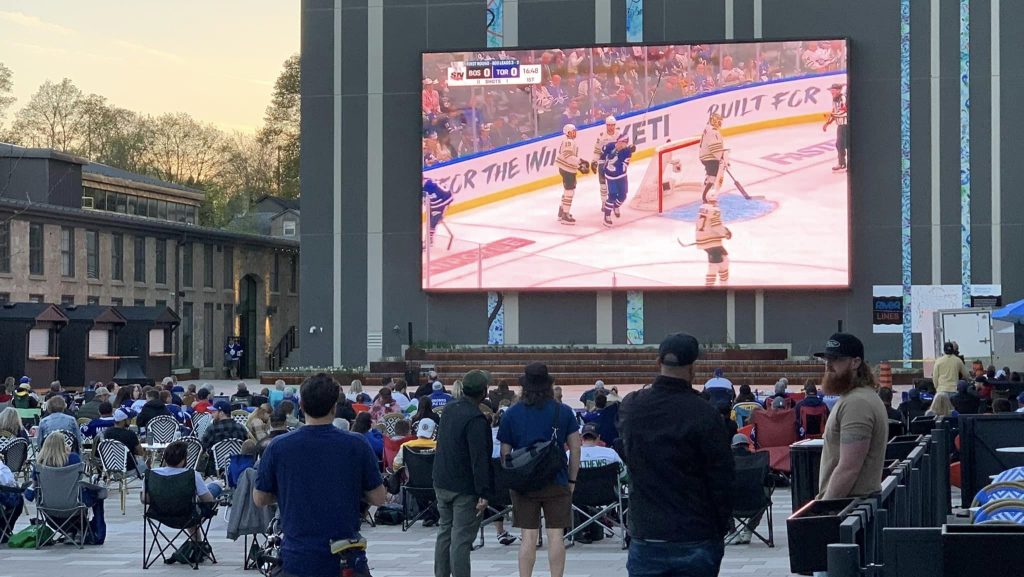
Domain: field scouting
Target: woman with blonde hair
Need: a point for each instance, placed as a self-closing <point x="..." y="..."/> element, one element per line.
<point x="355" y="393"/>
<point x="55" y="452"/>
<point x="941" y="406"/>
<point x="258" y="423"/>
<point x="457" y="390"/>
<point x="11" y="425"/>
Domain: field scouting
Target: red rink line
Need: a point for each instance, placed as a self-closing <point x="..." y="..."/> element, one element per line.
<point x="460" y="259"/>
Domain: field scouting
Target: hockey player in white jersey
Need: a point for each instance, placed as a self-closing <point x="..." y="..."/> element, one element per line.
<point x="710" y="234"/>
<point x="712" y="152"/>
<point x="609" y="135"/>
<point x="568" y="162"/>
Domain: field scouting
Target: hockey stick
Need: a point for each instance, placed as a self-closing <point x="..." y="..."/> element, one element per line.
<point x="684" y="244"/>
<point x="451" y="237"/>
<point x="740" y="188"/>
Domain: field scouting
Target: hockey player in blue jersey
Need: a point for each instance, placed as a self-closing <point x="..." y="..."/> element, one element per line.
<point x="439" y="199"/>
<point x="615" y="156"/>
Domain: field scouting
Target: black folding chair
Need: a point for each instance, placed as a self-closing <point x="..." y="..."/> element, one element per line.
<point x="59" y="503"/>
<point x="10" y="514"/>
<point x="171" y="501"/>
<point x="499" y="506"/>
<point x="14" y="453"/>
<point x="420" y="485"/>
<point x="752" y="495"/>
<point x="597" y="498"/>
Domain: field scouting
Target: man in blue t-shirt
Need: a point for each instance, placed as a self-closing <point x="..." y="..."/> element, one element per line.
<point x="316" y="509"/>
<point x="527" y="422"/>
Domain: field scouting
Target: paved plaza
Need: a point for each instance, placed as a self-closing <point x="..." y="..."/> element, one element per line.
<point x="392" y="553"/>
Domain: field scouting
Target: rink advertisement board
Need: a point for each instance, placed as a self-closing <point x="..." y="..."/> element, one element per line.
<point x="494" y="196"/>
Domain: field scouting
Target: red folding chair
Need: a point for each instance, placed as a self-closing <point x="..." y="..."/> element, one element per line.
<point x="392" y="447"/>
<point x="774" y="432"/>
<point x="812" y="421"/>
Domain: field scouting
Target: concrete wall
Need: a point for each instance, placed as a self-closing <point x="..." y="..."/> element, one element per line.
<point x="360" y="237"/>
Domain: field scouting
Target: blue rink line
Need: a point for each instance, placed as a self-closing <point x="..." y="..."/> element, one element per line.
<point x="734" y="207"/>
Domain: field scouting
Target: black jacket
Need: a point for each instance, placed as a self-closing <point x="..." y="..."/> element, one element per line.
<point x="681" y="468"/>
<point x="152" y="408"/>
<point x="345" y="410"/>
<point x="464" y="444"/>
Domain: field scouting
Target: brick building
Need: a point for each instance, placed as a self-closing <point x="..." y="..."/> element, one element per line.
<point x="73" y="232"/>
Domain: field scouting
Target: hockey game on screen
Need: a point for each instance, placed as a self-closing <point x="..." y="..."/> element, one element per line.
<point x="636" y="167"/>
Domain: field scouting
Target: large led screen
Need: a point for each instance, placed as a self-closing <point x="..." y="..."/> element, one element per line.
<point x="636" y="167"/>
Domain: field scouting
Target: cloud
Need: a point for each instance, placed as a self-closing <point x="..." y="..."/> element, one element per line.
<point x="148" y="51"/>
<point x="34" y="23"/>
<point x="48" y="50"/>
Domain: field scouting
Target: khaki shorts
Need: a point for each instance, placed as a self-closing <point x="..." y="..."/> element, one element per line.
<point x="554" y="500"/>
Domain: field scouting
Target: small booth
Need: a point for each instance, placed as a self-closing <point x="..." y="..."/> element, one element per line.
<point x="144" y="345"/>
<point x="28" y="332"/>
<point x="88" y="345"/>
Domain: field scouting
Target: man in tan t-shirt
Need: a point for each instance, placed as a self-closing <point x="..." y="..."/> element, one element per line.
<point x="948" y="370"/>
<point x="858" y="426"/>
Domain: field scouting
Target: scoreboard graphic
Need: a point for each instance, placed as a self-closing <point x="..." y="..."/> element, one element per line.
<point x="493" y="72"/>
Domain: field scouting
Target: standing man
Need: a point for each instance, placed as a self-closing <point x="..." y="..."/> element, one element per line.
<point x="320" y="509"/>
<point x="839" y="116"/>
<point x="710" y="234"/>
<point x="462" y="476"/>
<point x="948" y="370"/>
<point x="712" y="154"/>
<point x="858" y="428"/>
<point x="440" y="199"/>
<point x="527" y="422"/>
<point x="568" y="161"/>
<point x="677" y="451"/>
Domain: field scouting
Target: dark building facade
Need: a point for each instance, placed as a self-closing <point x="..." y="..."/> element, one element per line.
<point x="76" y="233"/>
<point x="361" y="169"/>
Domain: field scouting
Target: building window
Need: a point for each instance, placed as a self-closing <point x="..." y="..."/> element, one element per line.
<point x="117" y="256"/>
<point x="161" y="261"/>
<point x="92" y="254"/>
<point x="92" y="300"/>
<point x="289" y="228"/>
<point x="140" y="259"/>
<point x="35" y="249"/>
<point x="117" y="302"/>
<point x="67" y="252"/>
<point x="67" y="300"/>
<point x="5" y="246"/>
<point x="293" y="280"/>
<point x="5" y="298"/>
<point x="229" y="267"/>
<point x="208" y="265"/>
<point x="275" y="274"/>
<point x="99" y="343"/>
<point x="207" y="334"/>
<point x="37" y="299"/>
<point x="186" y="334"/>
<point x="161" y="303"/>
<point x="139" y="303"/>
<point x="38" y="343"/>
<point x="186" y="264"/>
<point x="229" y="321"/>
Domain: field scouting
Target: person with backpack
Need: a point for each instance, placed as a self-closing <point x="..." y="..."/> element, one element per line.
<point x="23" y="397"/>
<point x="542" y="479"/>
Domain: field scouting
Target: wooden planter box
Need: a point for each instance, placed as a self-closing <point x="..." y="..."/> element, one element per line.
<point x="296" y="379"/>
<point x="810" y="531"/>
<point x="186" y="374"/>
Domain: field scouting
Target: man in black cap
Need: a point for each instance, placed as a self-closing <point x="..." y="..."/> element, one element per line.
<point x="858" y="427"/>
<point x="529" y="421"/>
<point x="677" y="451"/>
<point x="463" y="479"/>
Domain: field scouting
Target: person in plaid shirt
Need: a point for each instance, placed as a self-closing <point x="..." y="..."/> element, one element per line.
<point x="223" y="427"/>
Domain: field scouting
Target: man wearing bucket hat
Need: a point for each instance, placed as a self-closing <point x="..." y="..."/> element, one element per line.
<point x="463" y="480"/>
<point x="23" y="397"/>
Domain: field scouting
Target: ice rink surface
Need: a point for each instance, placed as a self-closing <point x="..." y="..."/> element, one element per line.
<point x="797" y="235"/>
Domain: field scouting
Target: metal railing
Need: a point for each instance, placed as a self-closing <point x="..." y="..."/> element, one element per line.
<point x="289" y="342"/>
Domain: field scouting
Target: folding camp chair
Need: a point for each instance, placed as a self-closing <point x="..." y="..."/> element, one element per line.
<point x="420" y="485"/>
<point x="114" y="457"/>
<point x="162" y="429"/>
<point x="200" y="422"/>
<point x="499" y="506"/>
<point x="389" y="421"/>
<point x="171" y="501"/>
<point x="392" y="446"/>
<point x="812" y="421"/>
<point x="774" y="432"/>
<point x="752" y="495"/>
<point x="741" y="412"/>
<point x="195" y="450"/>
<point x="59" y="503"/>
<point x="14" y="453"/>
<point x="720" y="397"/>
<point x="8" y="514"/>
<point x="597" y="489"/>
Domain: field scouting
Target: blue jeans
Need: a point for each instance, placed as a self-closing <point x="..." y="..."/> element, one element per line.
<point x="690" y="559"/>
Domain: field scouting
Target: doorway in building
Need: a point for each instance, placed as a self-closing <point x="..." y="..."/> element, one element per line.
<point x="248" y="327"/>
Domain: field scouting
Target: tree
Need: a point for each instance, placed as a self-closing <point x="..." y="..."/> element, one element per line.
<point x="281" y="128"/>
<point x="184" y="150"/>
<point x="53" y="117"/>
<point x="6" y="86"/>
<point x="249" y="167"/>
<point x="128" y="141"/>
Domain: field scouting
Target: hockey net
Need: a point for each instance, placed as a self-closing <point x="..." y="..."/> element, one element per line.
<point x="674" y="176"/>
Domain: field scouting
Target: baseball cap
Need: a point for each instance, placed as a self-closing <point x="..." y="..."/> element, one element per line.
<point x="740" y="439"/>
<point x="842" y="345"/>
<point x="23" y="389"/>
<point x="101" y="391"/>
<point x="425" y="429"/>
<point x="719" y="372"/>
<point x="589" y="429"/>
<point x="599" y="384"/>
<point x="437" y="386"/>
<point x="682" y="346"/>
<point x="25" y="380"/>
<point x="222" y="406"/>
<point x="475" y="382"/>
<point x="120" y="415"/>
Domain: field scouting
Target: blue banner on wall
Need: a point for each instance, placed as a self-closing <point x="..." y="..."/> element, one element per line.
<point x="634" y="20"/>
<point x="495" y="23"/>
<point x="495" y="319"/>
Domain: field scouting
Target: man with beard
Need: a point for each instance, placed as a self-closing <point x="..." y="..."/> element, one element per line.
<point x="857" y="429"/>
